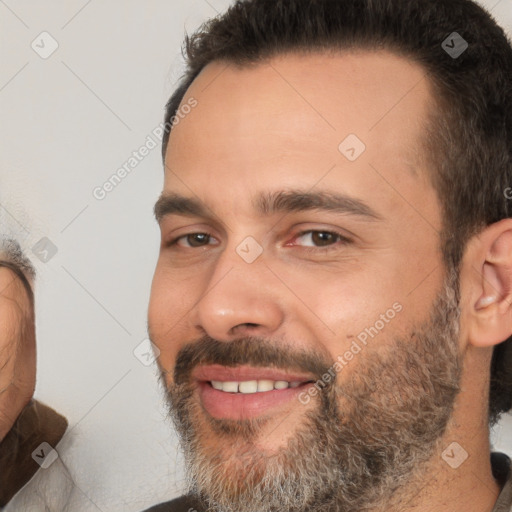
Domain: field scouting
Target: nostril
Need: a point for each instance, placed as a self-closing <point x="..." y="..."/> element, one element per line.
<point x="245" y="325"/>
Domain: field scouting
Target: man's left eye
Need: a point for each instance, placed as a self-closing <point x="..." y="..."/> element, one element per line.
<point x="319" y="238"/>
<point x="194" y="240"/>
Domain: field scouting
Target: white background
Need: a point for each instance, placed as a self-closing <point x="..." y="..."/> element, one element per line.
<point x="68" y="123"/>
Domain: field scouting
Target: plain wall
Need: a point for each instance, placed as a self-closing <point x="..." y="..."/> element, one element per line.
<point x="68" y="122"/>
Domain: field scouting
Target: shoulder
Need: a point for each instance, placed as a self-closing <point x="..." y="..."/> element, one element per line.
<point x="181" y="504"/>
<point x="501" y="470"/>
<point x="21" y="447"/>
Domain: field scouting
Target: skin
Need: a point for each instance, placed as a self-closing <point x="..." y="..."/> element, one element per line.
<point x="277" y="126"/>
<point x="17" y="349"/>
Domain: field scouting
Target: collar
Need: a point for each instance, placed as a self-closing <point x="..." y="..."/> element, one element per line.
<point x="501" y="470"/>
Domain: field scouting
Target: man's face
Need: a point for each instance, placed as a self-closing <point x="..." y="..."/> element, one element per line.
<point x="300" y="248"/>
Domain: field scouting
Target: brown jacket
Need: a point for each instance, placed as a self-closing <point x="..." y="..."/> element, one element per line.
<point x="36" y="424"/>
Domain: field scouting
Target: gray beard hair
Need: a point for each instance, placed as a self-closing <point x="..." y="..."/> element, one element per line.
<point x="365" y="446"/>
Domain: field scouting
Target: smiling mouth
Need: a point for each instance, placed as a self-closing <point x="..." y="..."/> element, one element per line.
<point x="248" y="387"/>
<point x="245" y="392"/>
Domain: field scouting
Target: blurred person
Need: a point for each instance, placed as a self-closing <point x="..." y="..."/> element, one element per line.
<point x="30" y="480"/>
<point x="332" y="300"/>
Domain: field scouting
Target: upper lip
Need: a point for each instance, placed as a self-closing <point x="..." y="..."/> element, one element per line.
<point x="221" y="373"/>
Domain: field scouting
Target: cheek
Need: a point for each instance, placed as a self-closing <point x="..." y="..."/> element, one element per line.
<point x="164" y="313"/>
<point x="343" y="294"/>
<point x="352" y="310"/>
<point x="157" y="306"/>
<point x="172" y="292"/>
<point x="368" y="305"/>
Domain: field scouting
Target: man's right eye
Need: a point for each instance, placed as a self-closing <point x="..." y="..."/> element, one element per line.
<point x="193" y="240"/>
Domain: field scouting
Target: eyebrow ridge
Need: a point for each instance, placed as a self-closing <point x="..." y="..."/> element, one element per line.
<point x="168" y="204"/>
<point x="296" y="201"/>
<point x="271" y="203"/>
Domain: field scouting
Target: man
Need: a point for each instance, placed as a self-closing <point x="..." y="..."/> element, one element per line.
<point x="27" y="426"/>
<point x="333" y="294"/>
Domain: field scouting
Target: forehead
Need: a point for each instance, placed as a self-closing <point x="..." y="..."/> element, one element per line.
<point x="287" y="121"/>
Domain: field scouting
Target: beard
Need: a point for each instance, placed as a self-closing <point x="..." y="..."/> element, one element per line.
<point x="365" y="443"/>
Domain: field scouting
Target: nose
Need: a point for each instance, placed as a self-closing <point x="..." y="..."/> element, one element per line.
<point x="240" y="299"/>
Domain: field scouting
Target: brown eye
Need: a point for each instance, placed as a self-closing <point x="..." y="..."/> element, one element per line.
<point x="194" y="240"/>
<point x="319" y="238"/>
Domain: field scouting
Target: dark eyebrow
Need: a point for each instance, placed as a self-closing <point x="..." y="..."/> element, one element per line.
<point x="297" y="201"/>
<point x="271" y="203"/>
<point x="168" y="204"/>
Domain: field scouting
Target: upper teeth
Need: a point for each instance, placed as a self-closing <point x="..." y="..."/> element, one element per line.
<point x="252" y="386"/>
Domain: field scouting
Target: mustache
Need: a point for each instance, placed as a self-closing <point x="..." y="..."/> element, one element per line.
<point x="251" y="351"/>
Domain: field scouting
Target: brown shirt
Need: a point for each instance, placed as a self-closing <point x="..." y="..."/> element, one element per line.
<point x="36" y="424"/>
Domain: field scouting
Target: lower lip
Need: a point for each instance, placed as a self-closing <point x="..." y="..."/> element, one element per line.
<point x="237" y="406"/>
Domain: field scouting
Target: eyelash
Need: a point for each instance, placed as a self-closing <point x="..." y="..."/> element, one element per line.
<point x="341" y="240"/>
<point x="174" y="241"/>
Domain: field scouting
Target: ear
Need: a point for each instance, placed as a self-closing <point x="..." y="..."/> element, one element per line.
<point x="487" y="274"/>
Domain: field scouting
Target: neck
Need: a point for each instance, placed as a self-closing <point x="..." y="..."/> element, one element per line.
<point x="448" y="482"/>
<point x="469" y="487"/>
